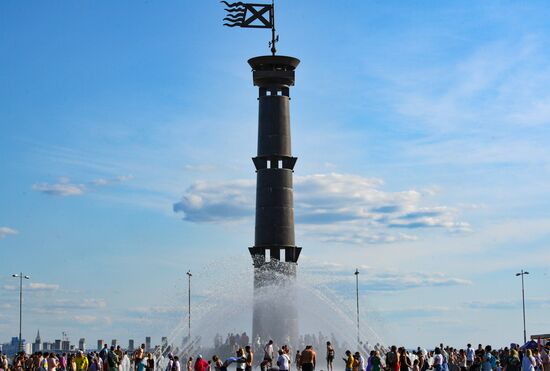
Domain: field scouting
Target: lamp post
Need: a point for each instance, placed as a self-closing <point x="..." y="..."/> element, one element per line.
<point x="189" y="275"/>
<point x="522" y="273"/>
<point x="357" y="300"/>
<point x="20" y="276"/>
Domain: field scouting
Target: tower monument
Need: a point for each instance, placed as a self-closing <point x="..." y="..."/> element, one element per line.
<point x="274" y="254"/>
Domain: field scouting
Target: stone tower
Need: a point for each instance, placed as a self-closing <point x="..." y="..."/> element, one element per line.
<point x="274" y="254"/>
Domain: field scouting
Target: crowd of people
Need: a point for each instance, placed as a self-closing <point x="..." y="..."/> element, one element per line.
<point x="441" y="358"/>
<point x="107" y="359"/>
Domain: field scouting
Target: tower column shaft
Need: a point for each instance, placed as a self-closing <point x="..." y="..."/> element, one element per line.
<point x="274" y="253"/>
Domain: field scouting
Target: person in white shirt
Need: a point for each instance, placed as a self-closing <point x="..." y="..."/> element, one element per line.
<point x="469" y="355"/>
<point x="176" y="366"/>
<point x="360" y="361"/>
<point x="170" y="362"/>
<point x="283" y="361"/>
<point x="528" y="363"/>
<point x="241" y="360"/>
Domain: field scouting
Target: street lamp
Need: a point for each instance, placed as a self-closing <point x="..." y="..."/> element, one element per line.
<point x="189" y="275"/>
<point x="357" y="299"/>
<point x="522" y="273"/>
<point x="20" y="276"/>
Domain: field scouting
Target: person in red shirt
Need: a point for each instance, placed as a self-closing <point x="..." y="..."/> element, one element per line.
<point x="201" y="364"/>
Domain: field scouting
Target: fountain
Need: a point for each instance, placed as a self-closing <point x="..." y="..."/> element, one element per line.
<point x="277" y="311"/>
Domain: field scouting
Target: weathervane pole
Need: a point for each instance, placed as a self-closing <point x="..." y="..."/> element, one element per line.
<point x="273" y="49"/>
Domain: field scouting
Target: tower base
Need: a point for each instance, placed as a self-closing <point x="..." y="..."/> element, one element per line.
<point x="275" y="315"/>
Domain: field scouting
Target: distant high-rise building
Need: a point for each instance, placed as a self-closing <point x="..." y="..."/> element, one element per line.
<point x="82" y="344"/>
<point x="100" y="344"/>
<point x="114" y="343"/>
<point x="131" y="345"/>
<point x="164" y="342"/>
<point x="12" y="347"/>
<point x="57" y="345"/>
<point x="147" y="343"/>
<point x="65" y="345"/>
<point x="36" y="346"/>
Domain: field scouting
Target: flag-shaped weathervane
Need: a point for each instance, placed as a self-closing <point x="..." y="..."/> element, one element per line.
<point x="252" y="16"/>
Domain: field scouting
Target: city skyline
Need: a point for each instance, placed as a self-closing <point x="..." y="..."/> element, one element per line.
<point x="421" y="132"/>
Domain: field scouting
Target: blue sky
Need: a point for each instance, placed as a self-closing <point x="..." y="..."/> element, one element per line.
<point x="421" y="129"/>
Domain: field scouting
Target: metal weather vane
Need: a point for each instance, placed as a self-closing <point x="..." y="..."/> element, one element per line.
<point x="247" y="15"/>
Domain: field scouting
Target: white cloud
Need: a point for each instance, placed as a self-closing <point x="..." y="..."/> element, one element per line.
<point x="33" y="286"/>
<point x="60" y="189"/>
<point x="381" y="280"/>
<point x="6" y="231"/>
<point x="108" y="181"/>
<point x="217" y="201"/>
<point x="340" y="208"/>
<point x="84" y="319"/>
<point x="67" y="188"/>
<point x="66" y="304"/>
<point x="502" y="83"/>
<point x="533" y="303"/>
<point x="38" y="286"/>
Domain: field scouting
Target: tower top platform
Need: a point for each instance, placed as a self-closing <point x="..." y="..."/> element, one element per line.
<point x="273" y="70"/>
<point x="271" y="62"/>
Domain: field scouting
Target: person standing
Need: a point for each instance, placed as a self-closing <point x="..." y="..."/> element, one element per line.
<point x="360" y="361"/>
<point x="376" y="361"/>
<point x="139" y="354"/>
<point x="217" y="363"/>
<point x="391" y="359"/>
<point x="249" y="357"/>
<point x="190" y="364"/>
<point x="63" y="362"/>
<point x="438" y="360"/>
<point x="369" y="360"/>
<point x="81" y="361"/>
<point x="103" y="353"/>
<point x="150" y="362"/>
<point x="404" y="361"/>
<point x="201" y="364"/>
<point x="470" y="354"/>
<point x="298" y="360"/>
<point x="283" y="361"/>
<point x="513" y="362"/>
<point x="545" y="356"/>
<point x="170" y="362"/>
<point x="44" y="362"/>
<point x="488" y="360"/>
<point x="349" y="361"/>
<point x="52" y="362"/>
<point x="330" y="356"/>
<point x="308" y="359"/>
<point x="461" y="360"/>
<point x="268" y="354"/>
<point x="112" y="359"/>
<point x="241" y="360"/>
<point x="528" y="363"/>
<point x="175" y="364"/>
